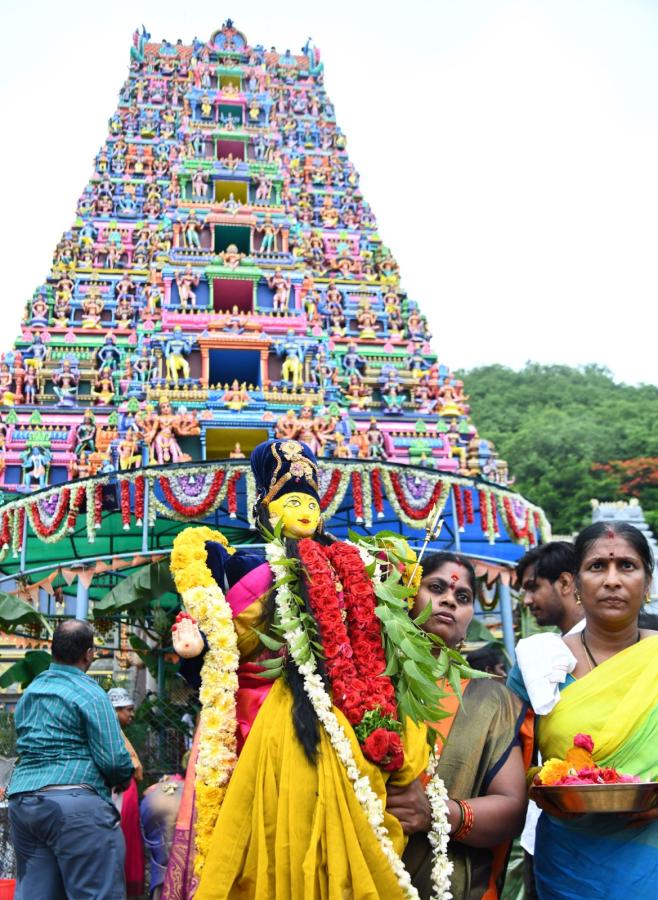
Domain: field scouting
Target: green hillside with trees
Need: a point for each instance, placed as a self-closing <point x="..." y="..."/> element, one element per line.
<point x="570" y="435"/>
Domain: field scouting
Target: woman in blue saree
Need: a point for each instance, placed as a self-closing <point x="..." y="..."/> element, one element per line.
<point x="607" y="688"/>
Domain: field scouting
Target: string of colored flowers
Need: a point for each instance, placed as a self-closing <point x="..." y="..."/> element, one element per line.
<point x="205" y="601"/>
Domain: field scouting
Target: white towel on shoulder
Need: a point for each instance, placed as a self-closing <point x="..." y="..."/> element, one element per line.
<point x="545" y="661"/>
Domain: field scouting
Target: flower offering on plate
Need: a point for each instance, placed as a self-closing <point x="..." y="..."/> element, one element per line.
<point x="576" y="784"/>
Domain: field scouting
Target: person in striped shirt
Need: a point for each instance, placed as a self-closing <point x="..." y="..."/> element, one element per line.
<point x="65" y="830"/>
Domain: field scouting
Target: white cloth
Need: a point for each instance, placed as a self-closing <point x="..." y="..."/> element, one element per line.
<point x="545" y="661"/>
<point x="551" y="655"/>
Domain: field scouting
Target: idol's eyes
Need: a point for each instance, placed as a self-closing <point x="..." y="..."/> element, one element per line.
<point x="293" y="502"/>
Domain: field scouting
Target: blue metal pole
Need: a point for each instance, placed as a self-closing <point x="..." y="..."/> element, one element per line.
<point x="505" y="600"/>
<point x="82" y="599"/>
<point x="455" y="524"/>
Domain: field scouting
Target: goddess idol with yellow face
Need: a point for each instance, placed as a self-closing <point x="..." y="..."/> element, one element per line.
<point x="292" y="822"/>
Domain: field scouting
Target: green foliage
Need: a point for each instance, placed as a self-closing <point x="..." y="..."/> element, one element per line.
<point x="15" y="612"/>
<point x="553" y="424"/>
<point x="26" y="670"/>
<point x="138" y="590"/>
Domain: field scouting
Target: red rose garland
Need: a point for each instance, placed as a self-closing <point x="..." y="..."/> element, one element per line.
<point x="377" y="491"/>
<point x="198" y="509"/>
<point x="354" y="656"/>
<point x="357" y="495"/>
<point x="332" y="487"/>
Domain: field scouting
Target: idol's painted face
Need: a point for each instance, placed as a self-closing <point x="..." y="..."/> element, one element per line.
<point x="299" y="513"/>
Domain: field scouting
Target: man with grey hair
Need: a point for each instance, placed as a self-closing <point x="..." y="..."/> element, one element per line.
<point x="64" y="828"/>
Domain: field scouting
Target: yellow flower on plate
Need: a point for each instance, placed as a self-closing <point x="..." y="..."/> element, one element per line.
<point x="553" y="770"/>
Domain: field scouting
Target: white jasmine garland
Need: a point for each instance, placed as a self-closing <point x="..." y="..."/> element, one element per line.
<point x="302" y="654"/>
<point x="439" y="834"/>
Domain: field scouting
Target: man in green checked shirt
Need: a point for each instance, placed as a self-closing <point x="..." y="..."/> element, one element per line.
<point x="64" y="828"/>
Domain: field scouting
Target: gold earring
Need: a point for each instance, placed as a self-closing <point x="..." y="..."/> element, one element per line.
<point x="577" y="596"/>
<point x="647" y="599"/>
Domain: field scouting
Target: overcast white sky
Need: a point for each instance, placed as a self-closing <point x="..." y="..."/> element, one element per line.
<point x="508" y="149"/>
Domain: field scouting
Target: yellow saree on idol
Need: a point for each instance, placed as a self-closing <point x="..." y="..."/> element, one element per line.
<point x="601" y="682"/>
<point x="315" y="687"/>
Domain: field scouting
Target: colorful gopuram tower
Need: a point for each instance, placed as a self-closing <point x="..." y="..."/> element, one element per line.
<point x="224" y="281"/>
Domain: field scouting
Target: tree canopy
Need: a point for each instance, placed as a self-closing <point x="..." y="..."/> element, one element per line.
<point x="569" y="436"/>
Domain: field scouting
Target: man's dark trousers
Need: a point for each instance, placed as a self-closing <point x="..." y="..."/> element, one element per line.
<point x="68" y="844"/>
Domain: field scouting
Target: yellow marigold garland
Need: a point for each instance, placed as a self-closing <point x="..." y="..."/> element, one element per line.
<point x="205" y="601"/>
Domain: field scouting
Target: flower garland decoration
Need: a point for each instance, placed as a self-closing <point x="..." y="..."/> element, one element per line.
<point x="5" y="532"/>
<point x="403" y="509"/>
<point x="55" y="526"/>
<point x="468" y="506"/>
<point x="439" y="833"/>
<point x="125" y="504"/>
<point x="367" y="499"/>
<point x="341" y="484"/>
<point x="302" y="653"/>
<point x="232" y="494"/>
<point x="332" y="487"/>
<point x="196" y="510"/>
<point x="74" y="509"/>
<point x="205" y="601"/>
<point x="140" y="487"/>
<point x="377" y="492"/>
<point x="522" y="533"/>
<point x="459" y="506"/>
<point x="486" y="519"/>
<point x="357" y="495"/>
<point x="354" y="656"/>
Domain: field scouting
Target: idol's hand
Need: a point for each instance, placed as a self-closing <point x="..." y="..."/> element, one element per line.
<point x="186" y="637"/>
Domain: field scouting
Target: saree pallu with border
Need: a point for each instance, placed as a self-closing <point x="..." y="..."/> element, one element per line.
<point x="478" y="738"/>
<point x="600" y="856"/>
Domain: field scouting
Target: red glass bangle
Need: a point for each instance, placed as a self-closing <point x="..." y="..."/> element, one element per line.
<point x="467" y="821"/>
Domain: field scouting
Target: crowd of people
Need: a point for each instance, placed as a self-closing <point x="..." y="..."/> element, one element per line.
<point x="291" y="820"/>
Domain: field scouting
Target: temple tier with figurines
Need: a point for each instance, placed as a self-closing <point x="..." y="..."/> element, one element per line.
<point x="224" y="282"/>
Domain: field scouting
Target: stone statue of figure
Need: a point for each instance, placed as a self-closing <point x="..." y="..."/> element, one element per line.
<point x="186" y="281"/>
<point x="35" y="461"/>
<point x="176" y="348"/>
<point x="138" y="49"/>
<point x="65" y="383"/>
<point x="160" y="432"/>
<point x="85" y="434"/>
<point x="292" y="368"/>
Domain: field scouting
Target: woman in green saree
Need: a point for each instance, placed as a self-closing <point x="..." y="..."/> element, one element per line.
<point x="611" y="693"/>
<point x="480" y="762"/>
